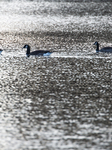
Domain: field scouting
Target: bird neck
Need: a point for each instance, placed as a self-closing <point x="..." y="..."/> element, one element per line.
<point x="97" y="47"/>
<point x="28" y="50"/>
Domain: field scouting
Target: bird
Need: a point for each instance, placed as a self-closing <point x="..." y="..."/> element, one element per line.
<point x="1" y="51"/>
<point x="104" y="49"/>
<point x="37" y="52"/>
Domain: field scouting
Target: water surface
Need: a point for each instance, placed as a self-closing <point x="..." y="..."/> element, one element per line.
<point x="64" y="101"/>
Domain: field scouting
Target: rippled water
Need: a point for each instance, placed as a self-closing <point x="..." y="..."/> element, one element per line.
<point x="64" y="101"/>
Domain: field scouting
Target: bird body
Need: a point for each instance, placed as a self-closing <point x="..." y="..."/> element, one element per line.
<point x="36" y="53"/>
<point x="1" y="51"/>
<point x="104" y="50"/>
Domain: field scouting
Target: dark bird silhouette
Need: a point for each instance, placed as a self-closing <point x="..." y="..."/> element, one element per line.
<point x="1" y="51"/>
<point x="105" y="49"/>
<point x="36" y="53"/>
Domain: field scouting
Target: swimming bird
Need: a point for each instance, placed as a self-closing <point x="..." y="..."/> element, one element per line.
<point x="1" y="51"/>
<point x="36" y="53"/>
<point x="105" y="49"/>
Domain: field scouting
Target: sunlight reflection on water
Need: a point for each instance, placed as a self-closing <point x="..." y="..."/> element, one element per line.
<point x="32" y="14"/>
<point x="64" y="101"/>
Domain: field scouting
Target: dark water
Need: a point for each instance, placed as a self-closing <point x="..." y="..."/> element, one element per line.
<point x="63" y="102"/>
